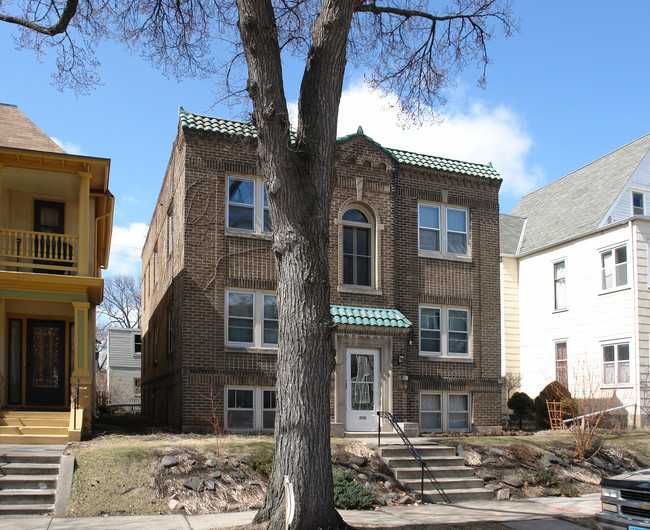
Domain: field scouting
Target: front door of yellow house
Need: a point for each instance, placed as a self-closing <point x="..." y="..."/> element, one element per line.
<point x="37" y="370"/>
<point x="45" y="363"/>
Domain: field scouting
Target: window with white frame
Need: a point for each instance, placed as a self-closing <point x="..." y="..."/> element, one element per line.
<point x="137" y="343"/>
<point x="268" y="409"/>
<point x="445" y="411"/>
<point x="250" y="409"/>
<point x="614" y="267"/>
<point x="561" y="364"/>
<point x="444" y="331"/>
<point x="638" y="203"/>
<point x="248" y="207"/>
<point x="241" y="411"/>
<point x="357" y="248"/>
<point x="443" y="229"/>
<point x="616" y="364"/>
<point x="559" y="279"/>
<point x="252" y="318"/>
<point x="170" y="231"/>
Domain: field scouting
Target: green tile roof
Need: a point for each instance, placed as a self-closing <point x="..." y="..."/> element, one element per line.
<point x="238" y="128"/>
<point x="369" y="316"/>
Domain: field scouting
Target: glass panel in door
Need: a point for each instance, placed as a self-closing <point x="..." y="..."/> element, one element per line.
<point x="45" y="363"/>
<point x="363" y="398"/>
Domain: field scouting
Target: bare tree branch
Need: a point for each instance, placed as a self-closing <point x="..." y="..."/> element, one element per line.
<point x="60" y="26"/>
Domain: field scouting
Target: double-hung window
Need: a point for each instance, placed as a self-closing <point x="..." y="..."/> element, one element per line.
<point x="252" y="319"/>
<point x="638" y="206"/>
<point x="559" y="274"/>
<point x="357" y="248"/>
<point x="614" y="267"/>
<point x="241" y="411"/>
<point x="170" y="231"/>
<point x="250" y="409"/>
<point x="561" y="364"/>
<point x="444" y="331"/>
<point x="444" y="411"/>
<point x="443" y="230"/>
<point x="616" y="364"/>
<point x="248" y="207"/>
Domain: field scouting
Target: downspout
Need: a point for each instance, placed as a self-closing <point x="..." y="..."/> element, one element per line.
<point x="637" y="331"/>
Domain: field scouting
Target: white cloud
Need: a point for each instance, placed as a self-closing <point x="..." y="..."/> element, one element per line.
<point x="69" y="147"/>
<point x="473" y="132"/>
<point x="126" y="248"/>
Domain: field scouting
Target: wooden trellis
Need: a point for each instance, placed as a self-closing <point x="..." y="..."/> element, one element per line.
<point x="555" y="414"/>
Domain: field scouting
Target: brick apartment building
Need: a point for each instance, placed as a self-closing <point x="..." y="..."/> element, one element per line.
<point x="414" y="269"/>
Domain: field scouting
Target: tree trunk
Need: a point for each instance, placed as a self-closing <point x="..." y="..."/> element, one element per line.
<point x="299" y="177"/>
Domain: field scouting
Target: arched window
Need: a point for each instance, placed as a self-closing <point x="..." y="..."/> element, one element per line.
<point x="357" y="248"/>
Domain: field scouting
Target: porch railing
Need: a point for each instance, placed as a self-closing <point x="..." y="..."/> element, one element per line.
<point x="426" y="472"/>
<point x="24" y="249"/>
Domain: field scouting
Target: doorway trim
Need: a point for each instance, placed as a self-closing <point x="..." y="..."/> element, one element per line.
<point x="345" y="341"/>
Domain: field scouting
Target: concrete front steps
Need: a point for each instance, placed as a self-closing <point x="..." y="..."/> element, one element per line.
<point x="33" y="427"/>
<point x="456" y="479"/>
<point x="28" y="478"/>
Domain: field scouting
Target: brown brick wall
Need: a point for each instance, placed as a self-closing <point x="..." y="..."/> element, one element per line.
<point x="208" y="259"/>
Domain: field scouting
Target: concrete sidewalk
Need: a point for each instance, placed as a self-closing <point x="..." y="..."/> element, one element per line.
<point x="536" y="512"/>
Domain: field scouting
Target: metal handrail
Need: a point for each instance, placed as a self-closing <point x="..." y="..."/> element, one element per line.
<point x="423" y="465"/>
<point x="76" y="404"/>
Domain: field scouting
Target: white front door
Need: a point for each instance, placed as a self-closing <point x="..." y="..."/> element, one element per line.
<point x="362" y="389"/>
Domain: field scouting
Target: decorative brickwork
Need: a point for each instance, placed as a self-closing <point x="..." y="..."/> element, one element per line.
<point x="208" y="259"/>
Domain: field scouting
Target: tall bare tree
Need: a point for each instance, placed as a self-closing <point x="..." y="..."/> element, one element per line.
<point x="412" y="48"/>
<point x="121" y="304"/>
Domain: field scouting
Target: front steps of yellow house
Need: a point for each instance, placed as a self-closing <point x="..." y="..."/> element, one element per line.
<point x="36" y="427"/>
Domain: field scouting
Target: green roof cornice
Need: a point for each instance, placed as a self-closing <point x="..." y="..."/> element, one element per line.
<point x="190" y="120"/>
<point x="369" y="316"/>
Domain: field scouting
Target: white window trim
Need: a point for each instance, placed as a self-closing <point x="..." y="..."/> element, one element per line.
<point x="170" y="231"/>
<point x="258" y="319"/>
<point x="566" y="359"/>
<point x="556" y="306"/>
<point x="444" y="404"/>
<point x="258" y="206"/>
<point x="443" y="230"/>
<point x="632" y="194"/>
<point x="601" y="268"/>
<point x="616" y="363"/>
<point x="258" y="408"/>
<point x="444" y="332"/>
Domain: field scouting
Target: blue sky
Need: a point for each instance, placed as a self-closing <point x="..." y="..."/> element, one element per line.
<point x="570" y="87"/>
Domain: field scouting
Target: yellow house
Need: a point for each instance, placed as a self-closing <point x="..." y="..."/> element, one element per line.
<point x="56" y="216"/>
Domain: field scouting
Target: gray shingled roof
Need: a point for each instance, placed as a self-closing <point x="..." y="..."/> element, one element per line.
<point x="231" y="127"/>
<point x="577" y="203"/>
<point x="19" y="132"/>
<point x="510" y="228"/>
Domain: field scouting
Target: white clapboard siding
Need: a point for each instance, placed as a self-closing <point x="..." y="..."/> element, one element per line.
<point x="592" y="317"/>
<point x="121" y="348"/>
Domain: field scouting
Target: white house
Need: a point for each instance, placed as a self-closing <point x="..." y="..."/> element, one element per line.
<point x="124" y="353"/>
<point x="576" y="284"/>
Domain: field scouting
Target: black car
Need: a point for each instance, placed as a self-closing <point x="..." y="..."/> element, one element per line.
<point x="625" y="501"/>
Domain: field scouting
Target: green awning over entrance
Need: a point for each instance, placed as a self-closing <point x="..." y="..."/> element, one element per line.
<point x="369" y="316"/>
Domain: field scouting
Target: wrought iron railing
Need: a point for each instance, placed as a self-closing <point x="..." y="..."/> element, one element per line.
<point x="426" y="472"/>
<point x="38" y="250"/>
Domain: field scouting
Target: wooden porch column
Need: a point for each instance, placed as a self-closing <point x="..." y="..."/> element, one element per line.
<point x="82" y="364"/>
<point x="84" y="216"/>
